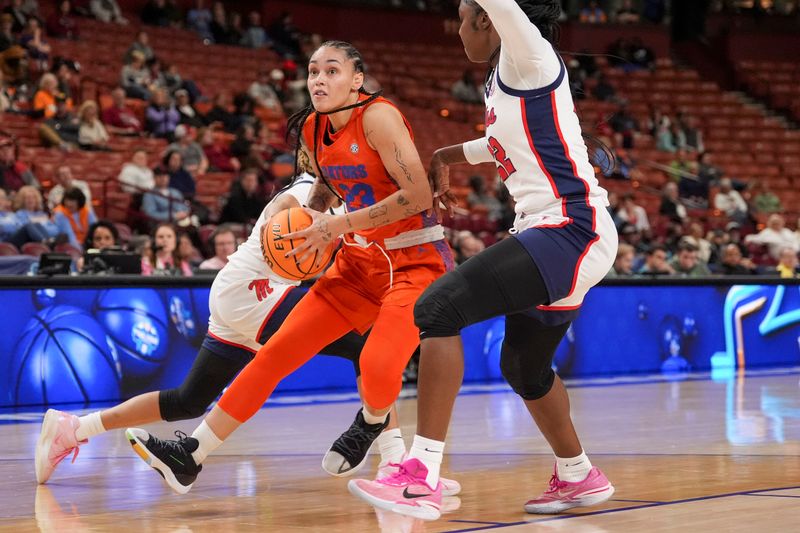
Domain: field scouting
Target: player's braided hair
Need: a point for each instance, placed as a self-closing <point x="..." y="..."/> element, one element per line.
<point x="296" y="122"/>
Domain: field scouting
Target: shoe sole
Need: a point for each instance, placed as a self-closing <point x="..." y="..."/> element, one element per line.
<point x="454" y="490"/>
<point x="138" y="445"/>
<point x="346" y="473"/>
<point x="424" y="512"/>
<point x="46" y="436"/>
<point x="585" y="501"/>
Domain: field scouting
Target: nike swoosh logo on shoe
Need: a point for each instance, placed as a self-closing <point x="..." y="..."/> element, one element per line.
<point x="411" y="495"/>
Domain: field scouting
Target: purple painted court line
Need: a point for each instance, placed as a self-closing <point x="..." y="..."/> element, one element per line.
<point x="772" y="495"/>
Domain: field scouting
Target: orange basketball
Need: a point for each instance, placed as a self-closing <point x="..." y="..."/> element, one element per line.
<point x="274" y="247"/>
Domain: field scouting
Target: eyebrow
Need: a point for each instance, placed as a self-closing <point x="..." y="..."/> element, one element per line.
<point x="328" y="61"/>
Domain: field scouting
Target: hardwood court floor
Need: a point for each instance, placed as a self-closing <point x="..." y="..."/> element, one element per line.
<point x="684" y="456"/>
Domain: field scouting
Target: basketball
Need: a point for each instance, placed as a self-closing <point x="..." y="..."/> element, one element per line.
<point x="274" y="247"/>
<point x="63" y="355"/>
<point x="136" y="320"/>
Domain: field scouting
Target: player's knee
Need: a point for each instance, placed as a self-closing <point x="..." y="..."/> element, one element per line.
<point x="436" y="312"/>
<point x="176" y="405"/>
<point x="380" y="392"/>
<point x="530" y="376"/>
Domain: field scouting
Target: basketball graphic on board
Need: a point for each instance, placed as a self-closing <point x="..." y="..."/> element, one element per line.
<point x="63" y="355"/>
<point x="136" y="320"/>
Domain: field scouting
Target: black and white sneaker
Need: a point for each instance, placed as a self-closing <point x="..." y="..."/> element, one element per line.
<point x="349" y="452"/>
<point x="170" y="458"/>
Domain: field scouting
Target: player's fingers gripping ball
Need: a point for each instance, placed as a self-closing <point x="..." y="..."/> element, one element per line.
<point x="275" y="246"/>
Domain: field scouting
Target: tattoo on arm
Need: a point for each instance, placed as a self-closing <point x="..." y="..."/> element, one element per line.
<point x="325" y="231"/>
<point x="401" y="200"/>
<point x="411" y="211"/>
<point x="349" y="224"/>
<point x="378" y="211"/>
<point x="398" y="156"/>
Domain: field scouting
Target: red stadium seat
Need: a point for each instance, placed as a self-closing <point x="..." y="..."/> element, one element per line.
<point x="35" y="249"/>
<point x="6" y="248"/>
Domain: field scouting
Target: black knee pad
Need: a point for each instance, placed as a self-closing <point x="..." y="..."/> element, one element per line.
<point x="437" y="312"/>
<point x="176" y="406"/>
<point x="529" y="374"/>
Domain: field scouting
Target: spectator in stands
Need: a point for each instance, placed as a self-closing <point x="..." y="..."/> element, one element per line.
<point x="592" y="13"/>
<point x="219" y="27"/>
<point x="671" y="205"/>
<point x="61" y="24"/>
<point x="255" y="36"/>
<point x="74" y="216"/>
<point x="162" y="256"/>
<point x="627" y="14"/>
<point x="245" y="200"/>
<point x="62" y="129"/>
<point x="29" y="208"/>
<point x="764" y="200"/>
<point x="718" y="239"/>
<point x="179" y="178"/>
<point x="776" y="236"/>
<point x="217" y="153"/>
<point x="730" y="202"/>
<point x="64" y="69"/>
<point x="220" y="113"/>
<point x="467" y="90"/>
<point x="107" y="11"/>
<point x="633" y="214"/>
<point x="243" y="148"/>
<point x="162" y="117"/>
<point x="189" y="115"/>
<point x="10" y="225"/>
<point x="162" y="202"/>
<point x="63" y="181"/>
<point x="135" y="77"/>
<point x="264" y="94"/>
<point x="664" y="139"/>
<point x="687" y="263"/>
<point x="32" y="39"/>
<point x="102" y="234"/>
<point x="223" y="242"/>
<point x="696" y="235"/>
<point x="17" y="14"/>
<point x="694" y="191"/>
<point x="44" y="101"/>
<point x="678" y="136"/>
<point x="13" y="174"/>
<point x="235" y="29"/>
<point x="120" y="119"/>
<point x="680" y="165"/>
<point x="480" y="197"/>
<point x="693" y="135"/>
<point x="624" y="125"/>
<point x="194" y="160"/>
<point x="160" y="13"/>
<point x="614" y="207"/>
<point x="787" y="266"/>
<point x="6" y="100"/>
<point x="135" y="176"/>
<point x="199" y="20"/>
<point x="92" y="135"/>
<point x="285" y="35"/>
<point x="7" y="35"/>
<point x="623" y="264"/>
<point x="733" y="264"/>
<point x="187" y="250"/>
<point x="706" y="171"/>
<point x="141" y="45"/>
<point x="603" y="90"/>
<point x="640" y="55"/>
<point x="468" y="245"/>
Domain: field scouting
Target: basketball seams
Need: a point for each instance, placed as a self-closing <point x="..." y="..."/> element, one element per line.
<point x="300" y="270"/>
<point x="136" y="310"/>
<point x="272" y="252"/>
<point x="28" y="353"/>
<point x="62" y="351"/>
<point x="107" y="356"/>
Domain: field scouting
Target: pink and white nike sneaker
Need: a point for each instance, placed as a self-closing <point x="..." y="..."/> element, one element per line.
<point x="56" y="441"/>
<point x="405" y="492"/>
<point x="563" y="495"/>
<point x="450" y="487"/>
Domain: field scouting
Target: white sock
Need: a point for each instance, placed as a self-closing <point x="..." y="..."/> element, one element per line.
<point x="90" y="425"/>
<point x="391" y="445"/>
<point x="431" y="453"/>
<point x="372" y="419"/>
<point x="573" y="469"/>
<point x="208" y="442"/>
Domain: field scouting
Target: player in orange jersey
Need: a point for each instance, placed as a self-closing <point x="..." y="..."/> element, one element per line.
<point x="362" y="150"/>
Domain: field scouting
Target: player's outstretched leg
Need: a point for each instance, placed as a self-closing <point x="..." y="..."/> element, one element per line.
<point x="57" y="440"/>
<point x="172" y="459"/>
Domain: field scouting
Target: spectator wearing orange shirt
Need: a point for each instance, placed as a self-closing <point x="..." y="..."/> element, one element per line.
<point x="44" y="101"/>
<point x="593" y="14"/>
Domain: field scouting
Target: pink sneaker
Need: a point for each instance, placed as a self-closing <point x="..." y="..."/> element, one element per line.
<point x="563" y="495"/>
<point x="56" y="441"/>
<point x="450" y="487"/>
<point x="404" y="492"/>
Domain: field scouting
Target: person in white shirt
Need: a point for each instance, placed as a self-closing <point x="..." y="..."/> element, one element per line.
<point x="776" y="236"/>
<point x="262" y="92"/>
<point x="64" y="180"/>
<point x="135" y="176"/>
<point x="223" y="240"/>
<point x="730" y="202"/>
<point x="633" y="214"/>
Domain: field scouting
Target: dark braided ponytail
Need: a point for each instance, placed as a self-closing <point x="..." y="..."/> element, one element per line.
<point x="295" y="123"/>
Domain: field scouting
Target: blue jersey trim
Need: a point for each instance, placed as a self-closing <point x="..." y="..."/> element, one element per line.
<point x="533" y="93"/>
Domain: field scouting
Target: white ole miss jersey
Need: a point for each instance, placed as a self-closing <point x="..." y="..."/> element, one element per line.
<point x="532" y="131"/>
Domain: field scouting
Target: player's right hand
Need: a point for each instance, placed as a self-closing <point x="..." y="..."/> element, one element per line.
<point x="444" y="200"/>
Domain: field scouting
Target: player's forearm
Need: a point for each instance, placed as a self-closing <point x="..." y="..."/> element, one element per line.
<point x="320" y="198"/>
<point x="449" y="155"/>
<point x="399" y="205"/>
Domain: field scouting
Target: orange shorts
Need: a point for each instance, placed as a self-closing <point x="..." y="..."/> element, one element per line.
<point x="358" y="282"/>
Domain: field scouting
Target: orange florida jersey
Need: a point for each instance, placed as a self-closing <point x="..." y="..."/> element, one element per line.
<point x="356" y="171"/>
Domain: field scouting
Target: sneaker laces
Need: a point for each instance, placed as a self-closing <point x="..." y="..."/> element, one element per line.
<point x="351" y="439"/>
<point x="403" y="476"/>
<point x="555" y="484"/>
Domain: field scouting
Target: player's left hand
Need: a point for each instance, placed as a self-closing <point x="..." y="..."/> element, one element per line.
<point x="317" y="238"/>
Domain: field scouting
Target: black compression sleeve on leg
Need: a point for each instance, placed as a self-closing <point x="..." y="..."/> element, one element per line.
<point x="502" y="279"/>
<point x="208" y="377"/>
<point x="349" y="347"/>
